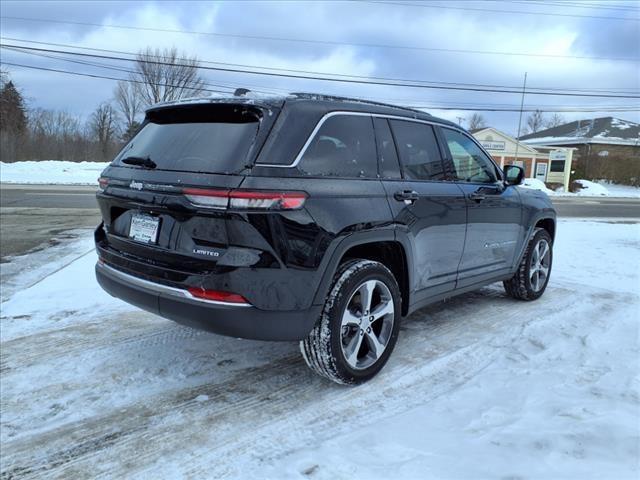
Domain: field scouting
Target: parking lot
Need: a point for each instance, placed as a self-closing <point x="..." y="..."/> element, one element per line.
<point x="94" y="387"/>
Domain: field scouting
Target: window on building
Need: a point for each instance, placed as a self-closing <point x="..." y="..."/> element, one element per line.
<point x="469" y="161"/>
<point x="418" y="150"/>
<point x="343" y="147"/>
<point x="557" y="165"/>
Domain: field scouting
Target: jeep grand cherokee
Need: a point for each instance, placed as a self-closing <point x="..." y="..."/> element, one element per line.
<point x="317" y="219"/>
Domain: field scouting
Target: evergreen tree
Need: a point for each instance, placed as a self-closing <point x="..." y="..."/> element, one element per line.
<point x="130" y="131"/>
<point x="13" y="118"/>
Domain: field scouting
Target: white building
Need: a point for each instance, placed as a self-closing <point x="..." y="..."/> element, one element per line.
<point x="551" y="165"/>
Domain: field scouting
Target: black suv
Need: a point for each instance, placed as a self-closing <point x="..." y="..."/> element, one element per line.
<point x="313" y="218"/>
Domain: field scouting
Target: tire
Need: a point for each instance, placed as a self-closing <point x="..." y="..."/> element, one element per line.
<point x="531" y="279"/>
<point x="341" y="346"/>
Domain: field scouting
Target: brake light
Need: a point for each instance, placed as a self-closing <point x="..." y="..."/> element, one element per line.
<point x="103" y="183"/>
<point x="267" y="200"/>
<point x="245" y="199"/>
<point x="217" y="296"/>
<point x="207" y="198"/>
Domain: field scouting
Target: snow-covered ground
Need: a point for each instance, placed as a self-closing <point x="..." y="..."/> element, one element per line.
<point x="52" y="172"/>
<point x="536" y="184"/>
<point x="589" y="189"/>
<point x="481" y="386"/>
<point x="620" y="190"/>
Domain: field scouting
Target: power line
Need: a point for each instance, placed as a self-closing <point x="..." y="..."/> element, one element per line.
<point x="330" y="79"/>
<point x="258" y="89"/>
<point x="581" y="5"/>
<point x="261" y="89"/>
<point x="95" y="75"/>
<point x="209" y="62"/>
<point x="435" y="107"/>
<point x="519" y="12"/>
<point x="325" y="42"/>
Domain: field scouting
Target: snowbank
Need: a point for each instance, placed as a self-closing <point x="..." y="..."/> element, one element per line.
<point x="591" y="189"/>
<point x="52" y="172"/>
<point x="616" y="190"/>
<point x="536" y="184"/>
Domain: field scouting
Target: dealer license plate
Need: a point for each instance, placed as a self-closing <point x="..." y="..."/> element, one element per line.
<point x="144" y="228"/>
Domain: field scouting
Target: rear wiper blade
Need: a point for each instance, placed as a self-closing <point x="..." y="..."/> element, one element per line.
<point x="142" y="161"/>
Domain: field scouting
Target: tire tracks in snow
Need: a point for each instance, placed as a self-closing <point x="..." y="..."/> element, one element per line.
<point x="131" y="330"/>
<point x="267" y="411"/>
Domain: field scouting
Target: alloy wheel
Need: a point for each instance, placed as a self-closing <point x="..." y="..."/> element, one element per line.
<point x="367" y="324"/>
<point x="540" y="265"/>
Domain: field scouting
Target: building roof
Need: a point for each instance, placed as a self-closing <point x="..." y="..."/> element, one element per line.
<point x="497" y="142"/>
<point x="604" y="130"/>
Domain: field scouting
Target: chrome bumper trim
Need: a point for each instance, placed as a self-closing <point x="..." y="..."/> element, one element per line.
<point x="159" y="288"/>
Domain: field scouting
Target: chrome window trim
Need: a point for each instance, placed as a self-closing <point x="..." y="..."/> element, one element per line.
<point x="333" y="114"/>
<point x="159" y="288"/>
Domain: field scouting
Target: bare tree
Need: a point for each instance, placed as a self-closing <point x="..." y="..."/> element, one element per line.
<point x="477" y="121"/>
<point x="129" y="103"/>
<point x="56" y="135"/>
<point x="163" y="75"/>
<point x="555" y="120"/>
<point x="103" y="126"/>
<point x="535" y="121"/>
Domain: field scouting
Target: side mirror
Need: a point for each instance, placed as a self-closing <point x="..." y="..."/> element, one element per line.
<point x="514" y="174"/>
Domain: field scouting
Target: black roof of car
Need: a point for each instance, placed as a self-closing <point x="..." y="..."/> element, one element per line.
<point x="315" y="102"/>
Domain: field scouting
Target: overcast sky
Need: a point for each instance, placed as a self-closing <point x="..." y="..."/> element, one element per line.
<point x="355" y="34"/>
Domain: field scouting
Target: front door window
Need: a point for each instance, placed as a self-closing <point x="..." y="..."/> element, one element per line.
<point x="470" y="163"/>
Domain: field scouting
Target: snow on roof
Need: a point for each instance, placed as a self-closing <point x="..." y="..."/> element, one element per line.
<point x="595" y="130"/>
<point x="221" y="98"/>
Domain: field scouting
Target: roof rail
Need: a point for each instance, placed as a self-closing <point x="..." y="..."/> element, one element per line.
<point x="319" y="96"/>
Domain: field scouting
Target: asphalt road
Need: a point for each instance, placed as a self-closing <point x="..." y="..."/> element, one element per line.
<point x="47" y="196"/>
<point x="70" y="197"/>
<point x="36" y="217"/>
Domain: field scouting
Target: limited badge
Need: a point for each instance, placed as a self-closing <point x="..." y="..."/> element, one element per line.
<point x="206" y="252"/>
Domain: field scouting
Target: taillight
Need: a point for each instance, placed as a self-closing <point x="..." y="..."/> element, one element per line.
<point x="103" y="182"/>
<point x="267" y="200"/>
<point x="245" y="199"/>
<point x="207" y="198"/>
<point x="217" y="296"/>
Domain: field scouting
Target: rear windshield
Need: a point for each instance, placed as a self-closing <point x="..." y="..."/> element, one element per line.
<point x="204" y="139"/>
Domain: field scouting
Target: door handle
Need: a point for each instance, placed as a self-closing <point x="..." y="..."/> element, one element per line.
<point x="478" y="197"/>
<point x="407" y="196"/>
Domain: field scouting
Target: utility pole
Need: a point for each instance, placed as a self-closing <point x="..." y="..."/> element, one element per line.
<point x="524" y="87"/>
<point x="460" y="120"/>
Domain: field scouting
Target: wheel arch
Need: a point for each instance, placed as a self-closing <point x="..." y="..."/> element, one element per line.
<point x="542" y="220"/>
<point x="549" y="224"/>
<point x="382" y="247"/>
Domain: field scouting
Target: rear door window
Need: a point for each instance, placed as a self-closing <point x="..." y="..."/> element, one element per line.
<point x="389" y="166"/>
<point x="344" y="146"/>
<point x="204" y="139"/>
<point x="418" y="149"/>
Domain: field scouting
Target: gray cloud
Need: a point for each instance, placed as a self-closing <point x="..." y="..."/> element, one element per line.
<point x="350" y="22"/>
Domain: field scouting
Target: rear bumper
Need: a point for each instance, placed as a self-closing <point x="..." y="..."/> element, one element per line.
<point x="229" y="319"/>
